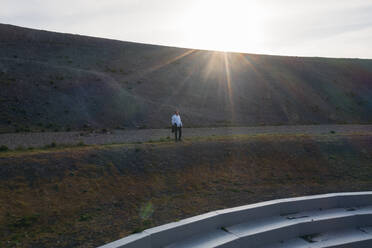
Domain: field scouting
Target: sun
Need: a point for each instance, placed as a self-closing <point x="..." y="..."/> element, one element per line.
<point x="233" y="25"/>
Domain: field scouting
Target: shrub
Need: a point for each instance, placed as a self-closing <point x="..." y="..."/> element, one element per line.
<point x="26" y="221"/>
<point x="315" y="108"/>
<point x="138" y="230"/>
<point x="234" y="190"/>
<point x="3" y="148"/>
<point x="81" y="143"/>
<point x="332" y="157"/>
<point x="20" y="148"/>
<point x="85" y="217"/>
<point x="52" y="145"/>
<point x="145" y="224"/>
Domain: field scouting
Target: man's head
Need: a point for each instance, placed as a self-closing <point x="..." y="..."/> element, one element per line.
<point x="176" y="112"/>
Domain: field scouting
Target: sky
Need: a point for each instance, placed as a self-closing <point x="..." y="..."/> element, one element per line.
<point x="325" y="28"/>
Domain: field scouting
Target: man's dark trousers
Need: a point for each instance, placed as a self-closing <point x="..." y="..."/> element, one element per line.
<point x="177" y="130"/>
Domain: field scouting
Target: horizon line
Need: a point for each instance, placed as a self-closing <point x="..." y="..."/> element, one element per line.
<point x="187" y="48"/>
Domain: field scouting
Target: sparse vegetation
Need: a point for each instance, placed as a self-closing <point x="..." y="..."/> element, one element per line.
<point x="81" y="183"/>
<point x="82" y="187"/>
<point x="3" y="148"/>
<point x="49" y="125"/>
<point x="24" y="222"/>
<point x="51" y="145"/>
<point x="81" y="143"/>
<point x="315" y="108"/>
<point x="143" y="226"/>
<point x="20" y="148"/>
<point x="112" y="70"/>
<point x="85" y="217"/>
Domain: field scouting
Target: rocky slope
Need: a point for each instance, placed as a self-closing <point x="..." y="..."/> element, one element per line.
<point x="54" y="81"/>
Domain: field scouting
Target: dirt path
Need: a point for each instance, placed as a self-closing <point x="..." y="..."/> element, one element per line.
<point x="26" y="140"/>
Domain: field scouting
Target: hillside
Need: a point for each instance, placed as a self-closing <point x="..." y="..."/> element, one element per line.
<point x="54" y="81"/>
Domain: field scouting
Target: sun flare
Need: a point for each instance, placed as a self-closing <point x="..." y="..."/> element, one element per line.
<point x="226" y="25"/>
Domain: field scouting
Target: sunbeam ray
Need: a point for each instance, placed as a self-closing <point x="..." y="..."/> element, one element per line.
<point x="229" y="87"/>
<point x="168" y="62"/>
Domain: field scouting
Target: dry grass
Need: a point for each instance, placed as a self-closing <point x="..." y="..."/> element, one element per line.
<point x="87" y="196"/>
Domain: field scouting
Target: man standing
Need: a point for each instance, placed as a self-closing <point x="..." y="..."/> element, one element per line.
<point x="177" y="125"/>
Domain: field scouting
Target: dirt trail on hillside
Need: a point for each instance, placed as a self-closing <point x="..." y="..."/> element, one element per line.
<point x="27" y="140"/>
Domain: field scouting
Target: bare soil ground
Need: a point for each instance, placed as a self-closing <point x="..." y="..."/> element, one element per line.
<point x="87" y="196"/>
<point x="99" y="137"/>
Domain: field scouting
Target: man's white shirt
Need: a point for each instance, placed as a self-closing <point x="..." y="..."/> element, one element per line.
<point x="176" y="119"/>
